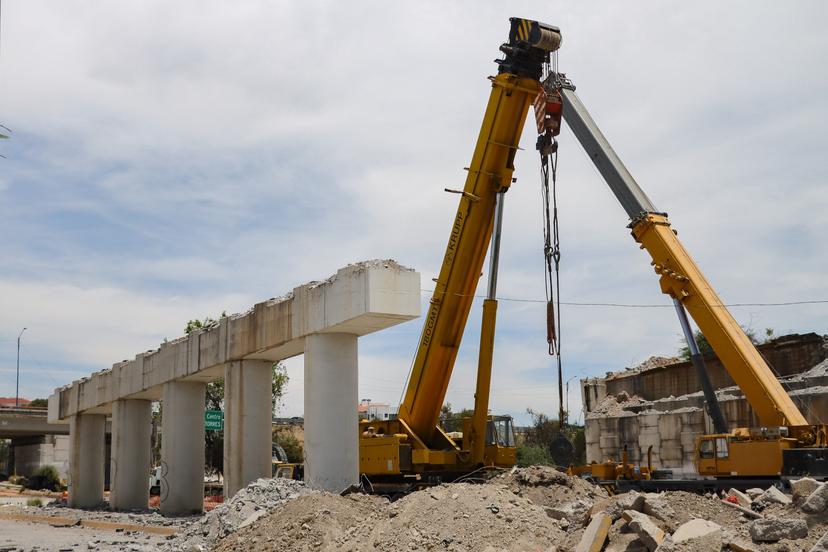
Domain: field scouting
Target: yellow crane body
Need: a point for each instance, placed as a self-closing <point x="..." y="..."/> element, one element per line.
<point x="785" y="444"/>
<point x="414" y="444"/>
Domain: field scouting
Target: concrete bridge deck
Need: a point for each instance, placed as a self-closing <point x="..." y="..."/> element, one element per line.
<point x="321" y="319"/>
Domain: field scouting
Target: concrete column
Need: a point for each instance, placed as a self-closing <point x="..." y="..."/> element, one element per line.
<point x="248" y="417"/>
<point x="131" y="454"/>
<point x="182" y="447"/>
<point x="331" y="430"/>
<point x="86" y="460"/>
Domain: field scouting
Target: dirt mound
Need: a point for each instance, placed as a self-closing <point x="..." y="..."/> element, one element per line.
<point x="319" y="521"/>
<point x="245" y="508"/>
<point x="456" y="517"/>
<point x="546" y="486"/>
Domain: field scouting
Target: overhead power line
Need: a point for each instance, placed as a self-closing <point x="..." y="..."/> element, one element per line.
<point x="646" y="306"/>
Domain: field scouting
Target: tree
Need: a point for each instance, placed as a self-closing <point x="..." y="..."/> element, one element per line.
<point x="293" y="448"/>
<point x="545" y="434"/>
<point x="705" y="348"/>
<point x="38" y="403"/>
<point x="214" y="400"/>
<point x="532" y="455"/>
<point x="453" y="421"/>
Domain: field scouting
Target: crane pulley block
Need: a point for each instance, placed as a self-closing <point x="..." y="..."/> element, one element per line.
<point x="548" y="113"/>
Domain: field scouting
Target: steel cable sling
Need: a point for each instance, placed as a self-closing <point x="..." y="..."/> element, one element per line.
<point x="548" y="111"/>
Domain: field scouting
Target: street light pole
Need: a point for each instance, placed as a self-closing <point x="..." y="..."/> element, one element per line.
<point x="567" y="393"/>
<point x="17" y="385"/>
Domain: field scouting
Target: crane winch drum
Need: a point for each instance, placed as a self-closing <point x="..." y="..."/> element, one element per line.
<point x="529" y="46"/>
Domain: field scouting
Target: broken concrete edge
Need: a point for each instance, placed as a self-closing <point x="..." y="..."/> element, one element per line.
<point x="360" y="298"/>
<point x="595" y="534"/>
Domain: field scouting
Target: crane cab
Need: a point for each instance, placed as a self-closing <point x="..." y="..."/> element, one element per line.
<point x="735" y="455"/>
<point x="500" y="441"/>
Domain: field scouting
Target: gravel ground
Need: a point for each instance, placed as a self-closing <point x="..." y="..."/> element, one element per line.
<point x="18" y="535"/>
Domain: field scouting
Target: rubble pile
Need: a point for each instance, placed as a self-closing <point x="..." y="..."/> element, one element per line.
<point x="652" y="362"/>
<point x="546" y="486"/>
<point x="615" y="405"/>
<point x="246" y="506"/>
<point x="535" y="508"/>
<point x="454" y="517"/>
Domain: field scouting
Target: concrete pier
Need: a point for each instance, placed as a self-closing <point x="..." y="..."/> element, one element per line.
<point x="331" y="429"/>
<point x="131" y="454"/>
<point x="248" y="414"/>
<point x="87" y="450"/>
<point x="182" y="447"/>
<point x="322" y="319"/>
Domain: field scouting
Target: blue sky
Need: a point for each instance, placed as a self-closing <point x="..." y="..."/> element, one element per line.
<point x="171" y="161"/>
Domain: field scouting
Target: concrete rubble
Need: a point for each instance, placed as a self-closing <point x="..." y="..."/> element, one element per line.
<point x="248" y="505"/>
<point x="535" y="508"/>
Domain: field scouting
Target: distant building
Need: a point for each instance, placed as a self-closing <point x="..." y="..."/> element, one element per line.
<point x="11" y="401"/>
<point x="368" y="410"/>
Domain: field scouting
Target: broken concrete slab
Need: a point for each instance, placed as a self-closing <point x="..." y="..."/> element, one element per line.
<point x="614" y="506"/>
<point x="698" y="534"/>
<point x="658" y="508"/>
<point x="774" y="529"/>
<point x="575" y="512"/>
<point x="595" y="534"/>
<point x="802" y="488"/>
<point x="649" y="533"/>
<point x="817" y="501"/>
<point x="773" y="496"/>
<point x="754" y="493"/>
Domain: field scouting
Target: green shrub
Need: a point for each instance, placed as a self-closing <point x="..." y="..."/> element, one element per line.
<point x="530" y="455"/>
<point x="45" y="478"/>
<point x="289" y="442"/>
<point x="34" y="502"/>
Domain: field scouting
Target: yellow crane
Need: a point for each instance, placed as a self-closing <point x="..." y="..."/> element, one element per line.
<point x="785" y="443"/>
<point x="413" y="448"/>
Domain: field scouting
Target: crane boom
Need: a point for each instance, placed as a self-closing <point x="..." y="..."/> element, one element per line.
<point x="680" y="276"/>
<point x="412" y="450"/>
<point x="489" y="173"/>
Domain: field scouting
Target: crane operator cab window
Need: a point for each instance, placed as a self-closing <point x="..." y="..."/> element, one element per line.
<point x="499" y="431"/>
<point x="721" y="447"/>
<point x="706" y="448"/>
<point x="714" y="448"/>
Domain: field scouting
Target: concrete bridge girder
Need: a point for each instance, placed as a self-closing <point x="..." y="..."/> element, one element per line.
<point x="321" y="319"/>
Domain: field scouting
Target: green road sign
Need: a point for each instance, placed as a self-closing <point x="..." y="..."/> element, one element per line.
<point x="213" y="420"/>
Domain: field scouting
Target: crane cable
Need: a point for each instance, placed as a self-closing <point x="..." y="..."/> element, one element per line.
<point x="548" y="127"/>
<point x="552" y="261"/>
<point x="548" y="116"/>
<point x="551" y="251"/>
